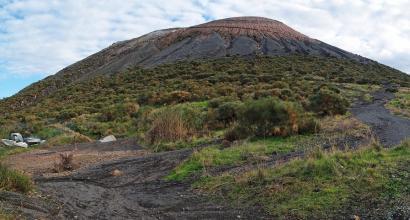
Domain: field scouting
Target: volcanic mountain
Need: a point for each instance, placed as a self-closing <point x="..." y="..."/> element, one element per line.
<point x="239" y="36"/>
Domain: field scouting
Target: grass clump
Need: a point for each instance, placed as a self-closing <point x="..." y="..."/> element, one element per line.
<point x="175" y="123"/>
<point x="6" y="151"/>
<point x="7" y="216"/>
<point x="323" y="185"/>
<point x="400" y="105"/>
<point x="252" y="151"/>
<point x="11" y="180"/>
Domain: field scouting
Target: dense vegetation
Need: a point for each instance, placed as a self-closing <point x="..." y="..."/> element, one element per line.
<point x="201" y="97"/>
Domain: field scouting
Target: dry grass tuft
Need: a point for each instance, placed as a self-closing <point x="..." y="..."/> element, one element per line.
<point x="168" y="126"/>
<point x="345" y="125"/>
<point x="66" y="163"/>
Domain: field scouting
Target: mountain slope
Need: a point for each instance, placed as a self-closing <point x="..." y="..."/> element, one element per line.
<point x="227" y="53"/>
<point x="242" y="36"/>
<point x="227" y="37"/>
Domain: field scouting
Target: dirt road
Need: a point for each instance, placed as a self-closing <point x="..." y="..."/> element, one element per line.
<point x="389" y="129"/>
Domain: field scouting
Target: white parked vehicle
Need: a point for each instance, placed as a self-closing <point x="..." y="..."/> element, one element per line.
<point x="17" y="140"/>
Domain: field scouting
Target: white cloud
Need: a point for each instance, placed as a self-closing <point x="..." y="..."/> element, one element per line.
<point x="41" y="37"/>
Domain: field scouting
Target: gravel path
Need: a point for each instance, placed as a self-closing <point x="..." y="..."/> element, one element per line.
<point x="389" y="129"/>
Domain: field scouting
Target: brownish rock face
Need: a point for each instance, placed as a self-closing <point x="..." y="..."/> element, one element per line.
<point x="254" y="27"/>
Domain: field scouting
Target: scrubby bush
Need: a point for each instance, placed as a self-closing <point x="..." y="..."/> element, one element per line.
<point x="308" y="124"/>
<point x="177" y="97"/>
<point x="168" y="126"/>
<point x="271" y="117"/>
<point x="237" y="132"/>
<point x="66" y="114"/>
<point x="48" y="132"/>
<point x="216" y="102"/>
<point x="228" y="112"/>
<point x="327" y="102"/>
<point x="119" y="111"/>
<point x="175" y="123"/>
<point x="263" y="115"/>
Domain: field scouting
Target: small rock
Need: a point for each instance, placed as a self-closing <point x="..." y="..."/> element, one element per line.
<point x="117" y="172"/>
<point x="355" y="217"/>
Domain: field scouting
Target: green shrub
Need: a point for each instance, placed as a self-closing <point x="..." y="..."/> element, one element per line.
<point x="48" y="132"/>
<point x="327" y="102"/>
<point x="308" y="125"/>
<point x="14" y="181"/>
<point x="271" y="117"/>
<point x="228" y="112"/>
<point x="119" y="112"/>
<point x="66" y="114"/>
<point x="237" y="132"/>
<point x="216" y="102"/>
<point x="177" y="97"/>
<point x="263" y="115"/>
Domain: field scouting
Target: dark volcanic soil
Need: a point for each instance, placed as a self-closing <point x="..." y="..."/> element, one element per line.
<point x="389" y="129"/>
<point x="139" y="191"/>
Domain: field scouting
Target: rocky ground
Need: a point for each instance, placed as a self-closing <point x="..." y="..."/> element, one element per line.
<point x="130" y="183"/>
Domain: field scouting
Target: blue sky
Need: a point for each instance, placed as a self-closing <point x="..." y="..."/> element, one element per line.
<point x="40" y="37"/>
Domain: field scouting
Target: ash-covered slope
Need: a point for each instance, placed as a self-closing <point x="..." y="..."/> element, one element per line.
<point x="240" y="36"/>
